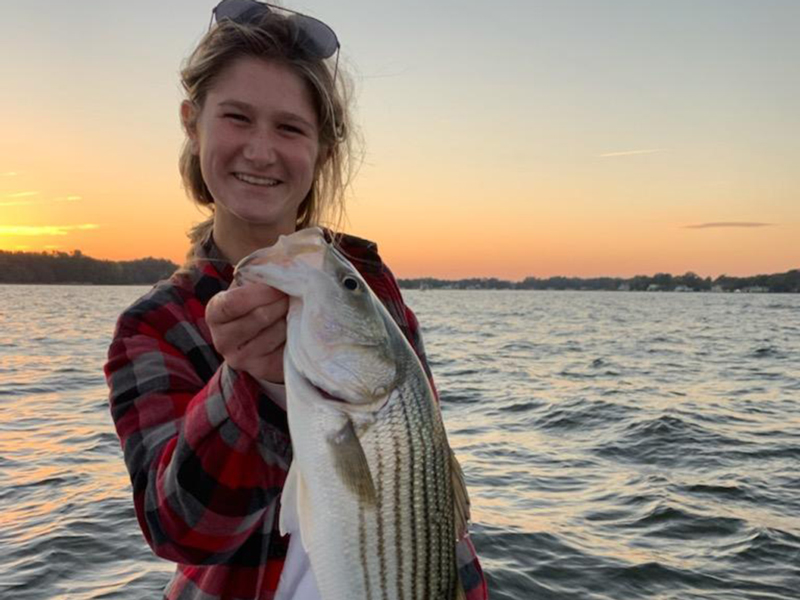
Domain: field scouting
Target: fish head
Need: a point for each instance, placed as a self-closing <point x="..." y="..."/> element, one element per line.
<point x="340" y="337"/>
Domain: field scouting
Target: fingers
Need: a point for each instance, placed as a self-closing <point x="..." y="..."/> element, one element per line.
<point x="248" y="328"/>
<point x="236" y="302"/>
<point x="264" y="342"/>
<point x="268" y="367"/>
<point x="240" y="332"/>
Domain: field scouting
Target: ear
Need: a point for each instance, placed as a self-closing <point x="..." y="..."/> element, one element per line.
<point x="189" y="114"/>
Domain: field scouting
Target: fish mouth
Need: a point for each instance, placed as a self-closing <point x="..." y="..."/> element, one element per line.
<point x="326" y="395"/>
<point x="350" y="406"/>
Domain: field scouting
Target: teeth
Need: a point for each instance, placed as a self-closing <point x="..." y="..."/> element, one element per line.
<point x="256" y="180"/>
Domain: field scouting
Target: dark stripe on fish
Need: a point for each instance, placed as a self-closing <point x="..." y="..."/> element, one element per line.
<point x="437" y="517"/>
<point x="419" y="474"/>
<point x="411" y="503"/>
<point x="398" y="542"/>
<point x="362" y="543"/>
<point x="379" y="513"/>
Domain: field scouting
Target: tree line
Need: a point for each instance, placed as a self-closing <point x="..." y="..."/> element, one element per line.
<point x="788" y="282"/>
<point x="76" y="268"/>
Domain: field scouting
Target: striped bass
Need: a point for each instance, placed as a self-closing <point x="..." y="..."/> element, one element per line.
<point x="374" y="489"/>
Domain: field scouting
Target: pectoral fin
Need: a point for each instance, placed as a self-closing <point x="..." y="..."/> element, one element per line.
<point x="289" y="520"/>
<point x="460" y="497"/>
<point x="295" y="517"/>
<point x="351" y="464"/>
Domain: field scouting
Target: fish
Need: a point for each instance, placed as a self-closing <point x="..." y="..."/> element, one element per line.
<point x="374" y="488"/>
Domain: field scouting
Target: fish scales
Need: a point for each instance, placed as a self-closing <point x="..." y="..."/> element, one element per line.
<point x="427" y="546"/>
<point x="373" y="483"/>
<point x="405" y="438"/>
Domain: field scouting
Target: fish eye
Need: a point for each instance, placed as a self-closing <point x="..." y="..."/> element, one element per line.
<point x="351" y="283"/>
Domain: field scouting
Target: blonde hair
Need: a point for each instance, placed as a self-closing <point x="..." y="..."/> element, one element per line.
<point x="272" y="38"/>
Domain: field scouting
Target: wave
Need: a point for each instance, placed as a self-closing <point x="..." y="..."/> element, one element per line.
<point x="583" y="414"/>
<point x="667" y="440"/>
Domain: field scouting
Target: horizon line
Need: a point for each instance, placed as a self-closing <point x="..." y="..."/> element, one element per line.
<point x="479" y="277"/>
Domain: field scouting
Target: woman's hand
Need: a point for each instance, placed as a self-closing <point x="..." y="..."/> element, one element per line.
<point x="248" y="328"/>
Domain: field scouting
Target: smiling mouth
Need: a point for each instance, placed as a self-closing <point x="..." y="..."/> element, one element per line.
<point x="255" y="180"/>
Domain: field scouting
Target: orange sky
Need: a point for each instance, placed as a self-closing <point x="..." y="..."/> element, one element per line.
<point x="537" y="141"/>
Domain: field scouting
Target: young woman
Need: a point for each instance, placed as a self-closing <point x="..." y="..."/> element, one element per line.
<point x="195" y="366"/>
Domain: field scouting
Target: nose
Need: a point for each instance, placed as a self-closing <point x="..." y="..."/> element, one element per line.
<point x="260" y="148"/>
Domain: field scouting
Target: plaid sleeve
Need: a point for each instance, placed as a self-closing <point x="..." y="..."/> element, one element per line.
<point x="204" y="479"/>
<point x="383" y="283"/>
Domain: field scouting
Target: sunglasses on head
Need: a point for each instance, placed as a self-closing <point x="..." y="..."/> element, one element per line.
<point x="316" y="38"/>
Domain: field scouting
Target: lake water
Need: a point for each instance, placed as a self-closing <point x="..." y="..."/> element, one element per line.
<point x="617" y="446"/>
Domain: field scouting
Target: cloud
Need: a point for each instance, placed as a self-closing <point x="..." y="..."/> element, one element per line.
<point x="21" y="194"/>
<point x="8" y="174"/>
<point x="632" y="152"/>
<point x="18" y="203"/>
<point x="31" y="202"/>
<point x="44" y="230"/>
<point x="722" y="224"/>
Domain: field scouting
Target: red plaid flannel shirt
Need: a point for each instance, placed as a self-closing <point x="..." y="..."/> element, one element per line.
<point x="206" y="449"/>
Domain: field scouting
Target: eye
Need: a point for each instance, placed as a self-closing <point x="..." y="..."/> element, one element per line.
<point x="351" y="283"/>
<point x="236" y="117"/>
<point x="291" y="128"/>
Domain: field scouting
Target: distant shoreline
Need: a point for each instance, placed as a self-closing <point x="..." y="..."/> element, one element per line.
<point x="445" y="289"/>
<point x="778" y="283"/>
<point x="75" y="268"/>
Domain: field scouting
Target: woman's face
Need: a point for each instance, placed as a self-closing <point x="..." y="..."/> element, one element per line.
<point x="258" y="142"/>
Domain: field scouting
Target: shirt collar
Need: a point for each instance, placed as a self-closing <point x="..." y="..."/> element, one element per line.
<point x="213" y="261"/>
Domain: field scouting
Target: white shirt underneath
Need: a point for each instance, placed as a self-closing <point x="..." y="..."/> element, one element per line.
<point x="297" y="581"/>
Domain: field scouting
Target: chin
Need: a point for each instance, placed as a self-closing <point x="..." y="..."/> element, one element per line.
<point x="270" y="221"/>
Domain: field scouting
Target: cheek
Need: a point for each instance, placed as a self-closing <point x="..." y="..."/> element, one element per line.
<point x="215" y="144"/>
<point x="308" y="160"/>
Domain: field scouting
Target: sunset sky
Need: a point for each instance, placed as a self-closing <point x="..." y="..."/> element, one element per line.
<point x="506" y="138"/>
